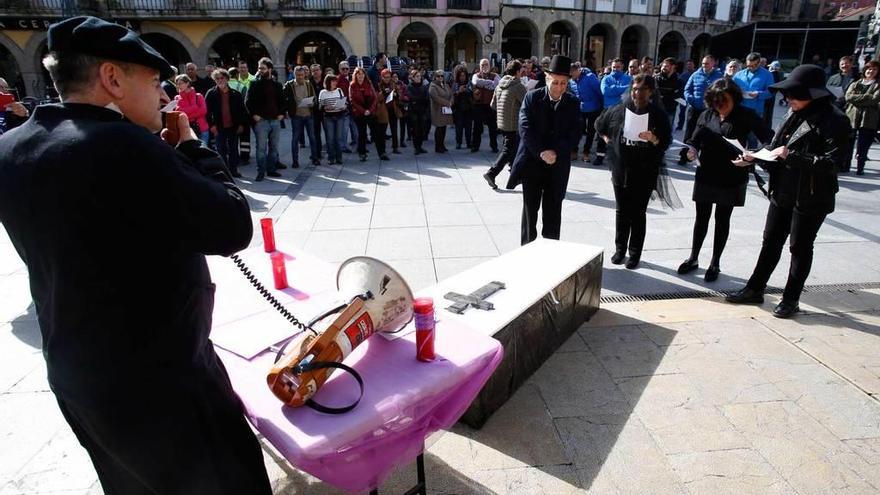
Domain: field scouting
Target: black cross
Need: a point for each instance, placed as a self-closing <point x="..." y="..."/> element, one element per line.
<point x="476" y="298"/>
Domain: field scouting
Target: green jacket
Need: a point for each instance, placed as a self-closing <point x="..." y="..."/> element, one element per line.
<point x="242" y="85"/>
<point x="862" y="102"/>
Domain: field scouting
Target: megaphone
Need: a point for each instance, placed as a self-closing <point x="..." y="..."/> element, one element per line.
<point x="378" y="300"/>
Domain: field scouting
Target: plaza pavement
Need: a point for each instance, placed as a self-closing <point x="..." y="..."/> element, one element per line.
<point x="670" y="396"/>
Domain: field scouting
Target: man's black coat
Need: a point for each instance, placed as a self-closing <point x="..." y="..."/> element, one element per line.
<point x="236" y="107"/>
<point x="540" y="129"/>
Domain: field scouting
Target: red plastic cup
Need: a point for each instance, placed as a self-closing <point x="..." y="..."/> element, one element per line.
<point x="279" y="271"/>
<point x="268" y="234"/>
<point x="423" y="307"/>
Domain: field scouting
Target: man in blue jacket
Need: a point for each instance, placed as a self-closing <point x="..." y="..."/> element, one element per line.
<point x="613" y="87"/>
<point x="589" y="92"/>
<point x="694" y="91"/>
<point x="755" y="83"/>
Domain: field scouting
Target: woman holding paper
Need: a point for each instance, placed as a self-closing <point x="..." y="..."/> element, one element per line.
<point x="637" y="133"/>
<point x="441" y="109"/>
<point x="390" y="95"/>
<point x="719" y="138"/>
<point x="331" y="100"/>
<point x="862" y="98"/>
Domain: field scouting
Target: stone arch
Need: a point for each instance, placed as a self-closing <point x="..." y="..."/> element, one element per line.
<point x="700" y="47"/>
<point x="41" y="82"/>
<point x="561" y="38"/>
<point x="177" y="36"/>
<point x="207" y="43"/>
<point x="296" y="32"/>
<point x="672" y="44"/>
<point x="315" y="47"/>
<point x="418" y="41"/>
<point x="520" y="38"/>
<point x="634" y="42"/>
<point x="462" y="38"/>
<point x="13" y="66"/>
<point x="601" y="45"/>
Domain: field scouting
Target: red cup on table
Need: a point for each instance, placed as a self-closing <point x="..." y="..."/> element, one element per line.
<point x="423" y="307"/>
<point x="279" y="270"/>
<point x="268" y="234"/>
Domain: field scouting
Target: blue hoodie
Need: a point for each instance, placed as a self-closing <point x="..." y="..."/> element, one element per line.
<point x="758" y="81"/>
<point x="613" y="87"/>
<point x="589" y="91"/>
<point x="697" y="85"/>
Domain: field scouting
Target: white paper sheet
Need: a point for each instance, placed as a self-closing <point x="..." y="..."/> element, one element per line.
<point x="633" y="124"/>
<point x="837" y="91"/>
<point x="531" y="84"/>
<point x="446" y="110"/>
<point x="306" y="102"/>
<point x="340" y="104"/>
<point x="764" y="154"/>
<point x="390" y="97"/>
<point x="681" y="102"/>
<point x="736" y="144"/>
<point x="169" y="107"/>
<point x="748" y="95"/>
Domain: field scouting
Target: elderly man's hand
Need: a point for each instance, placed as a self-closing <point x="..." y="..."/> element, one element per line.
<point x="549" y="157"/>
<point x="186" y="132"/>
<point x="18" y="109"/>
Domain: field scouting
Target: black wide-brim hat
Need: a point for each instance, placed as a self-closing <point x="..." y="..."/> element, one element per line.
<point x="89" y="35"/>
<point x="804" y="80"/>
<point x="560" y="65"/>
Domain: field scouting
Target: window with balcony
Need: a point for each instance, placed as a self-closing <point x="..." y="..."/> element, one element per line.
<point x="677" y="7"/>
<point x="736" y="11"/>
<point x="708" y="8"/>
<point x="465" y="4"/>
<point x="184" y="6"/>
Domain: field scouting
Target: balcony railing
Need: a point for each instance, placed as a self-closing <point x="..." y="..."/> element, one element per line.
<point x="178" y="7"/>
<point x="707" y="9"/>
<point x="677" y="7"/>
<point x="465" y="4"/>
<point x="49" y="7"/>
<point x="418" y="4"/>
<point x="736" y="11"/>
<point x="332" y="8"/>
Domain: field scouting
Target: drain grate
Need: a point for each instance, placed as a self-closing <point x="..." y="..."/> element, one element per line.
<point x="700" y="294"/>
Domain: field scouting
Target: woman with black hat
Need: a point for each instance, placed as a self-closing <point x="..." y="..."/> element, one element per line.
<point x="718" y="181"/>
<point x="807" y="151"/>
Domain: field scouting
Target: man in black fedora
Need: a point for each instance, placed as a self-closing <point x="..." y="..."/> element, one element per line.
<point x="543" y="159"/>
<point x="113" y="223"/>
<point x="809" y="148"/>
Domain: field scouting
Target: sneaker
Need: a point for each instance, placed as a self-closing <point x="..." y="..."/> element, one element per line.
<point x="490" y="180"/>
<point x="384" y="157"/>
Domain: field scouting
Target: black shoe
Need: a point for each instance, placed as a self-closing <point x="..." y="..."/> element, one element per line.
<point x="403" y="145"/>
<point x="458" y="146"/>
<point x="495" y="150"/>
<point x="786" y="309"/>
<point x="236" y="174"/>
<point x="860" y="172"/>
<point x="273" y="174"/>
<point x="632" y="262"/>
<point x="599" y="160"/>
<point x="395" y="152"/>
<point x="363" y="158"/>
<point x="315" y="163"/>
<point x="295" y="165"/>
<point x="260" y="176"/>
<point x="688" y="266"/>
<point x="384" y="157"/>
<point x="280" y="166"/>
<point x="712" y="273"/>
<point x="475" y="150"/>
<point x="420" y="151"/>
<point x="746" y="295"/>
<point x="618" y="257"/>
<point x="679" y="128"/>
<point x="491" y="180"/>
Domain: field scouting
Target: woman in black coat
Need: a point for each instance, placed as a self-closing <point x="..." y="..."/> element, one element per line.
<point x="418" y="111"/>
<point x="718" y="181"/>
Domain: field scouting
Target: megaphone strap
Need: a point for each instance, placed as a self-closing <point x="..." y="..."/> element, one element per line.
<point x="317" y="365"/>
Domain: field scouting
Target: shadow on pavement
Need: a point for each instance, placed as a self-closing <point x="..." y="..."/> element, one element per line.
<point x="26" y="328"/>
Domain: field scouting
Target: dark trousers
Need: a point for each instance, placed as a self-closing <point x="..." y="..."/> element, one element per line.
<point x="850" y="151"/>
<point x="803" y="229"/>
<point x="546" y="193"/>
<point x="632" y="206"/>
<point x="463" y="123"/>
<point x="484" y="115"/>
<point x="682" y="117"/>
<point x="318" y="126"/>
<point x="418" y="125"/>
<point x="227" y="147"/>
<point x="189" y="437"/>
<point x="509" y="144"/>
<point x="404" y="123"/>
<point x="364" y="123"/>
<point x="392" y="124"/>
<point x="864" y="138"/>
<point x="244" y="143"/>
<point x="693" y="116"/>
<point x="701" y="228"/>
<point x="440" y="138"/>
<point x="590" y="130"/>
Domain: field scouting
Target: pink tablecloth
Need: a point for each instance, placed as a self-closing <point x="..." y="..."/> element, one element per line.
<point x="404" y="401"/>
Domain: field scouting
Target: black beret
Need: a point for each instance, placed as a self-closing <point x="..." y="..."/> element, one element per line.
<point x="92" y="36"/>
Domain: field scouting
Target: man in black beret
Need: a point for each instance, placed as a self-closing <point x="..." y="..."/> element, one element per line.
<point x="809" y="148"/>
<point x="543" y="160"/>
<point x="114" y="224"/>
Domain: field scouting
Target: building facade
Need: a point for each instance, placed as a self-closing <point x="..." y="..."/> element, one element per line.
<point x="436" y="33"/>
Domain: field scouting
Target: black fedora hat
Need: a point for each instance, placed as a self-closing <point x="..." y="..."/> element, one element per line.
<point x="804" y="80"/>
<point x="560" y="65"/>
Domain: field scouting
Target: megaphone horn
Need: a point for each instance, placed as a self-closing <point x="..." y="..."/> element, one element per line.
<point x="380" y="300"/>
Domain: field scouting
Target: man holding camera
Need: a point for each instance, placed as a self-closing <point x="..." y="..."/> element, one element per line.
<point x="809" y="148"/>
<point x="114" y="224"/>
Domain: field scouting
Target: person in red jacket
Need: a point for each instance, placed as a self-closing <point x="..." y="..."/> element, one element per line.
<point x="364" y="101"/>
<point x="193" y="105"/>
